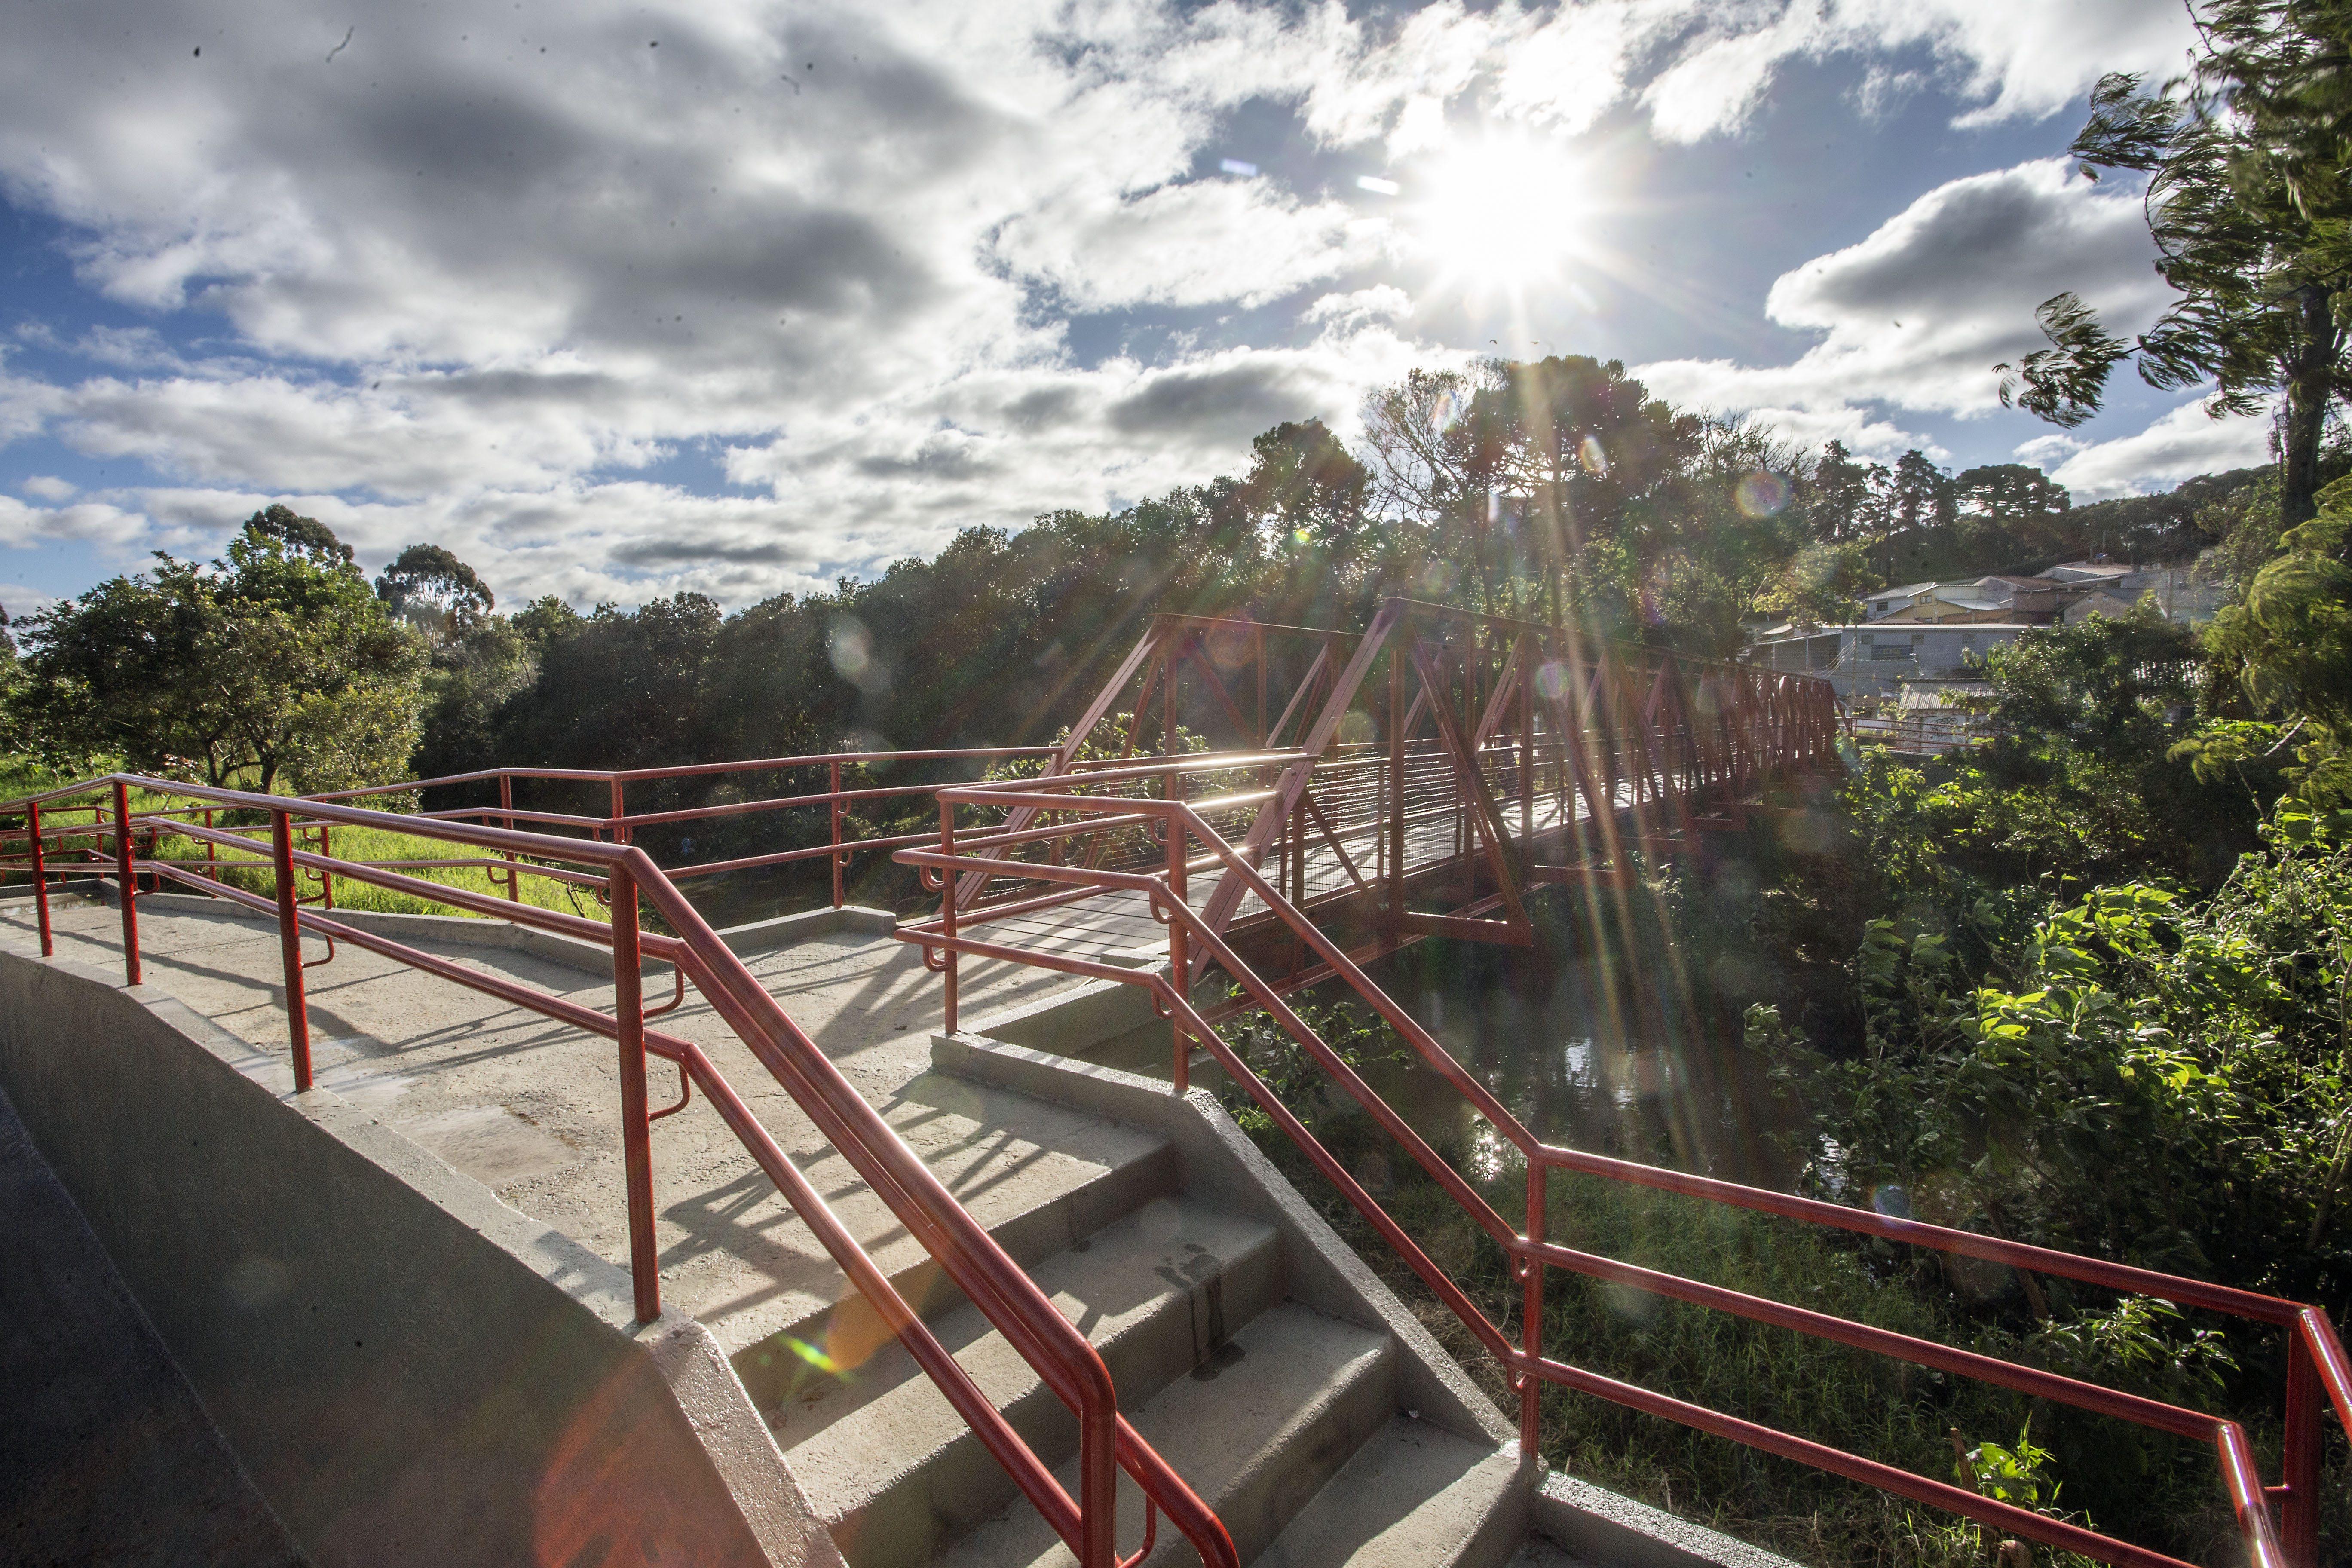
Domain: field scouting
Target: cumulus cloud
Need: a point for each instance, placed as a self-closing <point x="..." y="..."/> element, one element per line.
<point x="20" y="601"/>
<point x="1915" y="315"/>
<point x="618" y="299"/>
<point x="2181" y="445"/>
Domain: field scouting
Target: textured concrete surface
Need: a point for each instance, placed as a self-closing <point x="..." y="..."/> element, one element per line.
<point x="1413" y="1497"/>
<point x="889" y="1461"/>
<point x="106" y="1455"/>
<point x="409" y="1370"/>
<point x="530" y="1108"/>
<point x="1255" y="1430"/>
<point x="1600" y="1526"/>
<point x="1222" y="1165"/>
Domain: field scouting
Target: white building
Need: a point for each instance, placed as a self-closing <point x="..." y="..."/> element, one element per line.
<point x="1870" y="663"/>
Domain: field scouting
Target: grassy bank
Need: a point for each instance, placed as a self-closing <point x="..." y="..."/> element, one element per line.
<point x="373" y="845"/>
<point x="1899" y="1414"/>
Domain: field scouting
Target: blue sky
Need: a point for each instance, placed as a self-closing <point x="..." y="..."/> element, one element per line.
<point x="617" y="299"/>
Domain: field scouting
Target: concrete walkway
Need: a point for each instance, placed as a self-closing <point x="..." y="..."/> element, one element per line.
<point x="530" y="1108"/>
<point x="105" y="1455"/>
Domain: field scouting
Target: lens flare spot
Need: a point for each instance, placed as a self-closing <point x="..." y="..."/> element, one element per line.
<point x="1551" y="679"/>
<point x="1595" y="458"/>
<point x="1762" y="494"/>
<point x="813" y="1356"/>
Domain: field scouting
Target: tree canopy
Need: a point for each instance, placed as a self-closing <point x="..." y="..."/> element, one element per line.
<point x="2249" y="206"/>
<point x="276" y="664"/>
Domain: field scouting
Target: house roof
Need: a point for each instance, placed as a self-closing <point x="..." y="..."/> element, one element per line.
<point x="2020" y="582"/>
<point x="1918" y="695"/>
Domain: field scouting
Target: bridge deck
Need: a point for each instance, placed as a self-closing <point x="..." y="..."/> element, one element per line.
<point x="1114" y="925"/>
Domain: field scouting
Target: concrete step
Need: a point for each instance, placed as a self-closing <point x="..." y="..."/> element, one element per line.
<point x="1045" y="1217"/>
<point x="1413" y="1497"/>
<point x="887" y="1463"/>
<point x="1256" y="1430"/>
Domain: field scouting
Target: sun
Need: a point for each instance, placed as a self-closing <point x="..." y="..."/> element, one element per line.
<point x="1506" y="211"/>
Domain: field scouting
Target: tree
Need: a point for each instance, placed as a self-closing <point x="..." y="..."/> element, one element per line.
<point x="298" y="532"/>
<point x="2252" y="215"/>
<point x="2006" y="505"/>
<point x="2290" y="644"/>
<point x="1845" y="499"/>
<point x="1304" y="483"/>
<point x="429" y="587"/>
<point x="1921" y="495"/>
<point x="277" y="662"/>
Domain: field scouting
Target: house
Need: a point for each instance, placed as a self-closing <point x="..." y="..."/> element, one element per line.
<point x="1891" y="601"/>
<point x="2101" y="572"/>
<point x="2035" y="600"/>
<point x="1870" y="663"/>
<point x="2099" y="603"/>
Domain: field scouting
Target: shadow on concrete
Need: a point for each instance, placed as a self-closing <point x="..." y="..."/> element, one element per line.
<point x="106" y="1456"/>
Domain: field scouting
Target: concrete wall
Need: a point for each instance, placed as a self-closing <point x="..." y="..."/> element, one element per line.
<point x="409" y="1370"/>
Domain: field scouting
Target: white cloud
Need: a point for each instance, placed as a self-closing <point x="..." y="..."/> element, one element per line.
<point x="1194" y="244"/>
<point x="2180" y="446"/>
<point x="110" y="527"/>
<point x="1916" y="315"/>
<point x="21" y="601"/>
<point x="614" y="298"/>
<point x="49" y="487"/>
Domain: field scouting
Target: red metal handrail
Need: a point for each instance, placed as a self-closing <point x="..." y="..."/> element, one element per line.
<point x="2319" y="1372"/>
<point x="1053" y="1346"/>
<point x="620" y="824"/>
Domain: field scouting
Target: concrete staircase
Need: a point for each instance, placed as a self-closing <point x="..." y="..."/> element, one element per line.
<point x="1287" y="1419"/>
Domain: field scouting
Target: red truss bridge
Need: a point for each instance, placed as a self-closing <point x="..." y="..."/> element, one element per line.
<point x="1413" y="780"/>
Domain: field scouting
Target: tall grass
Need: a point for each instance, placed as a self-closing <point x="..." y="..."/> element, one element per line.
<point x="1900" y="1415"/>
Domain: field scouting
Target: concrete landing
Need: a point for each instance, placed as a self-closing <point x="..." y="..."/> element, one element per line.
<point x="105" y="1453"/>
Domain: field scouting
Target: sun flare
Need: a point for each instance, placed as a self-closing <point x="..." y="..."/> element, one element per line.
<point x="1504" y="211"/>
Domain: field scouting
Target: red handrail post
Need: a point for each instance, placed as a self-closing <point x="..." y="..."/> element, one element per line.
<point x="123" y="870"/>
<point x="289" y="944"/>
<point x="637" y="1130"/>
<point x="2299" y="1471"/>
<point x="40" y="878"/>
<point x="947" y="908"/>
<point x="326" y="877"/>
<point x="1531" y="1310"/>
<point x="505" y="802"/>
<point x="1179" y="958"/>
<point x="620" y="831"/>
<point x="833" y="810"/>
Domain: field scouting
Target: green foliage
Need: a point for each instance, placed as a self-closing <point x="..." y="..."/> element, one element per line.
<point x="2084" y="780"/>
<point x="305" y="535"/>
<point x="2150" y="1080"/>
<point x="2290" y="645"/>
<point x="2249" y="206"/>
<point x="276" y="661"/>
<point x="1290" y="1072"/>
<point x="431" y="586"/>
